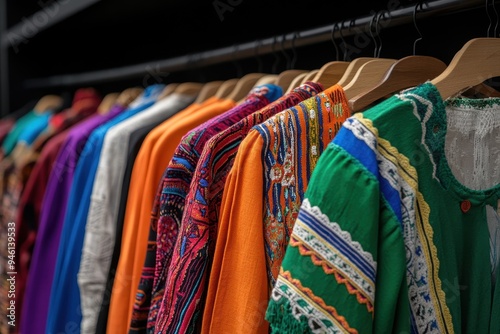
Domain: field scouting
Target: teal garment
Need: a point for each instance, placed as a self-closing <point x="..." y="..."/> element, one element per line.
<point x="400" y="228"/>
<point x="21" y="125"/>
<point x="35" y="128"/>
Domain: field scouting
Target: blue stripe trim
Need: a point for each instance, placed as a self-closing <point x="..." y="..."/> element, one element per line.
<point x="181" y="161"/>
<point x="174" y="191"/>
<point x="339" y="243"/>
<point x="367" y="157"/>
<point x="413" y="324"/>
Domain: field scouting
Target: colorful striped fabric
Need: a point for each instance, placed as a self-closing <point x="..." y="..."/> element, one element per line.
<point x="175" y="187"/>
<point x="196" y="241"/>
<point x="170" y="134"/>
<point x="293" y="143"/>
<point x="262" y="196"/>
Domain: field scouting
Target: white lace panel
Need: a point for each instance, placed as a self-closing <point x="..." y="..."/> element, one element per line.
<point x="472" y="148"/>
<point x="473" y="145"/>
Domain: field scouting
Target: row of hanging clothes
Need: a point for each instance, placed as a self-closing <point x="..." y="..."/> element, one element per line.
<point x="360" y="197"/>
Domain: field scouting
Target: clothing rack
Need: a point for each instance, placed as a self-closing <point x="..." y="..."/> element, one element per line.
<point x="392" y="18"/>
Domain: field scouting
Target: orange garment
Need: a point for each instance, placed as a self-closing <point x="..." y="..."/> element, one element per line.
<point x="246" y="245"/>
<point x="152" y="159"/>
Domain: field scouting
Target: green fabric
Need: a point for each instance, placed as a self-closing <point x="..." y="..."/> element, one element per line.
<point x="384" y="188"/>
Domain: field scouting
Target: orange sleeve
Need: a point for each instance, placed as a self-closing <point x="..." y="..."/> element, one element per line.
<point x="238" y="294"/>
<point x="161" y="156"/>
<point x="143" y="186"/>
<point x="127" y="276"/>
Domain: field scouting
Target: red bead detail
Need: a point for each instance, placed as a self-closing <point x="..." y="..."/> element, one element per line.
<point x="465" y="206"/>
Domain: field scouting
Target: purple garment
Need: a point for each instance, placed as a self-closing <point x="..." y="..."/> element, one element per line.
<point x="54" y="209"/>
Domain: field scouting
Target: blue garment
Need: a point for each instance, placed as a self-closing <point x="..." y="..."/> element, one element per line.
<point x="35" y="128"/>
<point x="64" y="311"/>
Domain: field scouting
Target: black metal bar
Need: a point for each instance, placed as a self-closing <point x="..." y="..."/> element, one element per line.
<point x="394" y="17"/>
<point x="50" y="13"/>
<point x="4" y="62"/>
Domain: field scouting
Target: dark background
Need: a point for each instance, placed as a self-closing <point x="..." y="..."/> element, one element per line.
<point x="113" y="33"/>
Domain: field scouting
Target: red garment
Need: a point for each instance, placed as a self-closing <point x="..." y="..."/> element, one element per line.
<point x="85" y="103"/>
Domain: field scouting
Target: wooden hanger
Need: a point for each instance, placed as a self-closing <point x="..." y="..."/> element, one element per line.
<point x="477" y="61"/>
<point x="48" y="103"/>
<point x="285" y="78"/>
<point x="226" y="88"/>
<point x="208" y="90"/>
<point x="267" y="79"/>
<point x="311" y="75"/>
<point x="296" y="82"/>
<point x="107" y="102"/>
<point x="189" y="88"/>
<point x="330" y="73"/>
<point x="352" y="69"/>
<point x="244" y="86"/>
<point x="128" y="95"/>
<point x="169" y="89"/>
<point x="367" y="76"/>
<point x="483" y="90"/>
<point x="405" y="73"/>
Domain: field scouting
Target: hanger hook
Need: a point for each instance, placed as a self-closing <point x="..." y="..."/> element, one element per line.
<point x="373" y="36"/>
<point x="294" y="51"/>
<point x="335" y="26"/>
<point x="352" y="23"/>
<point x="489" y="17"/>
<point x="344" y="55"/>
<point x="287" y="57"/>
<point x="496" y="18"/>
<point x="276" y="57"/>
<point x="260" y="65"/>
<point x="420" y="37"/>
<point x="378" y="30"/>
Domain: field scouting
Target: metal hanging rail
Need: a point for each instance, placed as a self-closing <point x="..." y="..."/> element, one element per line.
<point x="50" y="14"/>
<point x="393" y="18"/>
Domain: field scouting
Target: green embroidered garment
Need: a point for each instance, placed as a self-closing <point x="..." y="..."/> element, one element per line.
<point x="400" y="230"/>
